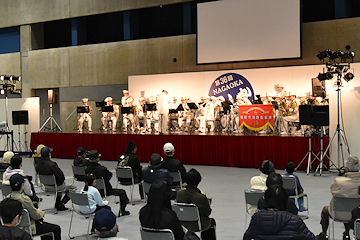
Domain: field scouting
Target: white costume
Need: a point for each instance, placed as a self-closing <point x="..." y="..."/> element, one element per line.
<point x="208" y="116"/>
<point x="85" y="117"/>
<point x="110" y="116"/>
<point x="152" y="117"/>
<point x="163" y="101"/>
<point x="184" y="115"/>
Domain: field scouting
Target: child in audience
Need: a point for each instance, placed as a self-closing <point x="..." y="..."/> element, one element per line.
<point x="290" y="167"/>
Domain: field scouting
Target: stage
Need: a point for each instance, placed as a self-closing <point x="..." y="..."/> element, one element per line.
<point x="216" y="150"/>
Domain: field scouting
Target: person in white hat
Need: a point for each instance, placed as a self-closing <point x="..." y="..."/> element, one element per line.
<point x="163" y="101"/>
<point x="110" y="116"/>
<point x="208" y="117"/>
<point x="152" y="117"/>
<point x="129" y="118"/>
<point x="280" y="91"/>
<point x="140" y="113"/>
<point x="85" y="116"/>
<point x="292" y="113"/>
<point x="184" y="115"/>
<point x="124" y="97"/>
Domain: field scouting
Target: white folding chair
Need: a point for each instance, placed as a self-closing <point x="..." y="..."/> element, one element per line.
<point x="78" y="171"/>
<point x="289" y="183"/>
<point x="252" y="198"/>
<point x="48" y="185"/>
<point x="156" y="234"/>
<point x="188" y="215"/>
<point x="79" y="199"/>
<point x="26" y="225"/>
<point x="126" y="172"/>
<point x="343" y="205"/>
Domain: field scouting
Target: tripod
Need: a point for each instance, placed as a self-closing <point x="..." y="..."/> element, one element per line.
<point x="52" y="120"/>
<point x="309" y="154"/>
<point x="340" y="133"/>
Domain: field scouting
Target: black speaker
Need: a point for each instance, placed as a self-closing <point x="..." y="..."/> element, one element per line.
<point x="305" y="114"/>
<point x="320" y="115"/>
<point x="20" y="117"/>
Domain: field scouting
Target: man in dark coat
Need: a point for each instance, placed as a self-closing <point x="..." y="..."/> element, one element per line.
<point x="170" y="162"/>
<point x="154" y="172"/>
<point x="48" y="167"/>
<point x="81" y="161"/>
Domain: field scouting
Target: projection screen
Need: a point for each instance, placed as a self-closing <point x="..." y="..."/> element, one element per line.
<point x="246" y="30"/>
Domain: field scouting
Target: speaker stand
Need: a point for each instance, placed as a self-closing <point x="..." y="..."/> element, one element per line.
<point x="52" y="120"/>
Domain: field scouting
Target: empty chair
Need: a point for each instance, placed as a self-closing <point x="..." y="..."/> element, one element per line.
<point x="252" y="197"/>
<point x="289" y="183"/>
<point x="126" y="172"/>
<point x="156" y="234"/>
<point x="79" y="199"/>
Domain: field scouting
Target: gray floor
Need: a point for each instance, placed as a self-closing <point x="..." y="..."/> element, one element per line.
<point x="225" y="185"/>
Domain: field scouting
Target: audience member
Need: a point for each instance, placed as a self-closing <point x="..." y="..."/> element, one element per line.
<point x="105" y="223"/>
<point x="102" y="172"/>
<point x="95" y="200"/>
<point x="346" y="187"/>
<point x="192" y="194"/>
<point x="11" y="212"/>
<point x="14" y="168"/>
<point x="171" y="163"/>
<point x="129" y="158"/>
<point x="290" y="168"/>
<point x="37" y="157"/>
<point x="81" y="161"/>
<point x="157" y="213"/>
<point x="154" y="172"/>
<point x="276" y="222"/>
<point x="275" y="179"/>
<point x="5" y="163"/>
<point x="38" y="226"/>
<point x="48" y="167"/>
<point x="259" y="182"/>
<point x="355" y="214"/>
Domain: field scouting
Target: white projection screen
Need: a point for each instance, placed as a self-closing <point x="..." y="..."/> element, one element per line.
<point x="247" y="30"/>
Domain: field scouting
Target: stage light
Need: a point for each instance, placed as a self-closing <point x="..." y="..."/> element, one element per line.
<point x="2" y="92"/>
<point x="336" y="54"/>
<point x="15" y="78"/>
<point x="349" y="76"/>
<point x="324" y="76"/>
<point x="348" y="55"/>
<point x="4" y="77"/>
<point x="324" y="54"/>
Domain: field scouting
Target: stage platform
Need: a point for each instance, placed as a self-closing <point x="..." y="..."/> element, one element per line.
<point x="214" y="150"/>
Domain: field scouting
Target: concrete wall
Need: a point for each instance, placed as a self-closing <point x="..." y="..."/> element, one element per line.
<point x="21" y="12"/>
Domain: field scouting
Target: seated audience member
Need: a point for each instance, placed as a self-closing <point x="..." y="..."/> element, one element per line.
<point x="11" y="212"/>
<point x="154" y="172"/>
<point x="276" y="222"/>
<point x="5" y="163"/>
<point x="170" y="162"/>
<point x="355" y="214"/>
<point x="259" y="182"/>
<point x="192" y="194"/>
<point x="102" y="172"/>
<point x="129" y="158"/>
<point x="290" y="168"/>
<point x="157" y="213"/>
<point x="346" y="187"/>
<point x="38" y="226"/>
<point x="275" y="179"/>
<point x="37" y="157"/>
<point x="105" y="224"/>
<point x="48" y="167"/>
<point x="81" y="161"/>
<point x="15" y="165"/>
<point x="95" y="200"/>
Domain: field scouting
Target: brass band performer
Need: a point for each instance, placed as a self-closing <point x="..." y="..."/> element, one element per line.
<point x="85" y="116"/>
<point x="110" y="116"/>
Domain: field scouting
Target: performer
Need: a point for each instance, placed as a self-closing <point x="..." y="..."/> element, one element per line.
<point x="110" y="116"/>
<point x="140" y="112"/>
<point x="152" y="117"/>
<point x="184" y="115"/>
<point x="124" y="97"/>
<point x="241" y="99"/>
<point x="163" y="102"/>
<point x="281" y="92"/>
<point x="208" y="115"/>
<point x="85" y="116"/>
<point x="292" y="112"/>
<point x="129" y="117"/>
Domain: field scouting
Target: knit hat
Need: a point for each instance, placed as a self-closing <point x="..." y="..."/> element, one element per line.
<point x="105" y="223"/>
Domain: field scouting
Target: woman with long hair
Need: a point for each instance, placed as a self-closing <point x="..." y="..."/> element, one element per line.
<point x="157" y="213"/>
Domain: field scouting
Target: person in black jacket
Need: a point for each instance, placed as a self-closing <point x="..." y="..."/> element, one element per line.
<point x="48" y="167"/>
<point x="81" y="160"/>
<point x="170" y="163"/>
<point x="128" y="158"/>
<point x="157" y="213"/>
<point x="276" y="222"/>
<point x="102" y="172"/>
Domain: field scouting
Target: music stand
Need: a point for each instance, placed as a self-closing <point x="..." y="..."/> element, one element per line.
<point x="100" y="104"/>
<point x="107" y="108"/>
<point x="83" y="109"/>
<point x="127" y="110"/>
<point x="180" y="108"/>
<point x="173" y="111"/>
<point x="150" y="107"/>
<point x="193" y="105"/>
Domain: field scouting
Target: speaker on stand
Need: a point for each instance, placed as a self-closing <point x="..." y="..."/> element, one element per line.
<point x="21" y="118"/>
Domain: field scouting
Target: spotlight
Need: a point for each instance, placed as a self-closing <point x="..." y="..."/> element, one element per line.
<point x="324" y="54"/>
<point x="15" y="78"/>
<point x="336" y="54"/>
<point x="324" y="76"/>
<point x="349" y="76"/>
<point x="2" y="91"/>
<point x="4" y="77"/>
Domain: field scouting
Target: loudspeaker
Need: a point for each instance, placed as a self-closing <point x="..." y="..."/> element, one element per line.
<point x="320" y="115"/>
<point x="52" y="96"/>
<point x="305" y="114"/>
<point x="318" y="88"/>
<point x="20" y="117"/>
